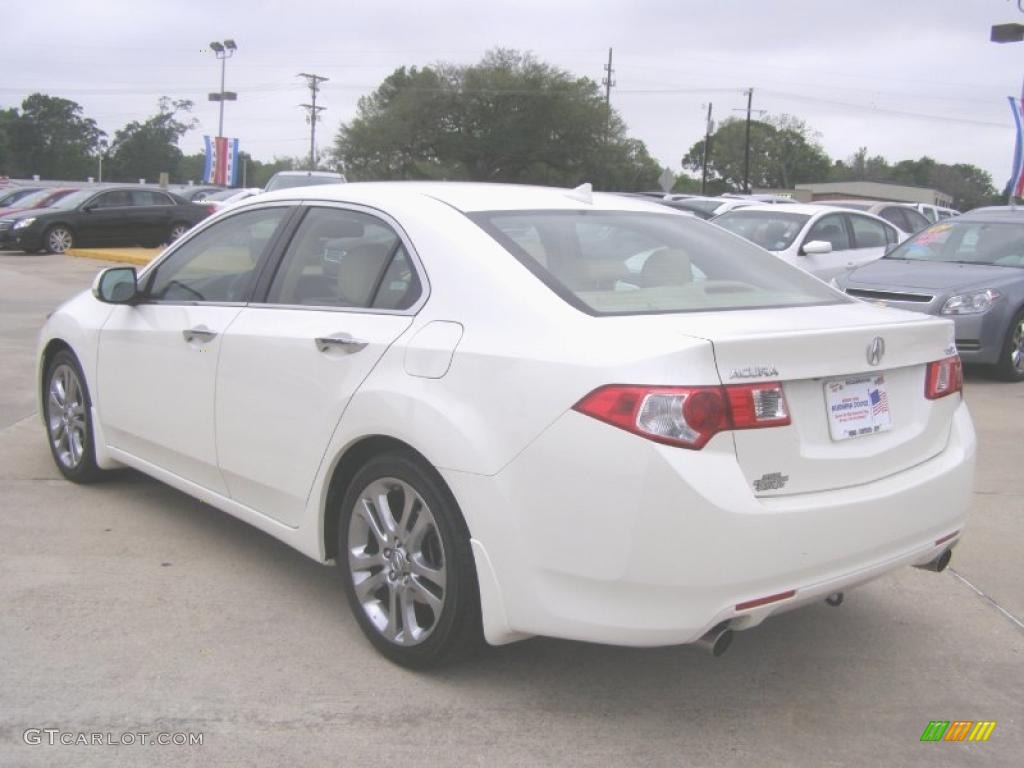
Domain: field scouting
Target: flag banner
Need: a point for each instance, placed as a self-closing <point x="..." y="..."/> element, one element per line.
<point x="221" y="161"/>
<point x="1017" y="177"/>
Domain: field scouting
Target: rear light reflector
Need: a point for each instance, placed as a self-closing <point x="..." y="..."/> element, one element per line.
<point x="946" y="538"/>
<point x="687" y="417"/>
<point x="765" y="600"/>
<point x="757" y="405"/>
<point x="945" y="377"/>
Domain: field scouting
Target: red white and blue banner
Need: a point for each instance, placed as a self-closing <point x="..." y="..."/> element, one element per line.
<point x="1017" y="179"/>
<point x="221" y="161"/>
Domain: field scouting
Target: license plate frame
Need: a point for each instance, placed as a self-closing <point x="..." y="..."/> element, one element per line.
<point x="857" y="406"/>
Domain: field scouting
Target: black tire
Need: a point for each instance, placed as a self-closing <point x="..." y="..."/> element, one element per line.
<point x="80" y="466"/>
<point x="58" y="239"/>
<point x="456" y="630"/>
<point x="1007" y="368"/>
<point x="177" y="229"/>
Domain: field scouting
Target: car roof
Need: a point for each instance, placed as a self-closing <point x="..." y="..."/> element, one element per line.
<point x="808" y="209"/>
<point x="330" y="174"/>
<point x="470" y="196"/>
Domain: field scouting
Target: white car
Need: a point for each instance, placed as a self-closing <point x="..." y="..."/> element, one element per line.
<point x="820" y="239"/>
<point x="465" y="398"/>
<point x="228" y="197"/>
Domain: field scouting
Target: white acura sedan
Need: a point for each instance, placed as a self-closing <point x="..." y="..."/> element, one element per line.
<point x="506" y="411"/>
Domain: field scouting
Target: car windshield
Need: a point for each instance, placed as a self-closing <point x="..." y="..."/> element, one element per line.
<point x="772" y="230"/>
<point x="32" y="199"/>
<point x="224" y="194"/>
<point x="998" y="243"/>
<point x="627" y="263"/>
<point x="285" y="182"/>
<point x="74" y="199"/>
<point x="12" y="196"/>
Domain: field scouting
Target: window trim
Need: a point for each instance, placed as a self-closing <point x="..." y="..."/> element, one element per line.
<point x="147" y="275"/>
<point x="261" y="288"/>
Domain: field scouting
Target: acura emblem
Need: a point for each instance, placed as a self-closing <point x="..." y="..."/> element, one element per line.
<point x="876" y="350"/>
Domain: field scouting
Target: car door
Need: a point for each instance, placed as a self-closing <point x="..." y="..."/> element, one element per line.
<point x="345" y="290"/>
<point x="157" y="358"/>
<point x="153" y="215"/>
<point x="108" y="219"/>
<point x="870" y="238"/>
<point x="830" y="228"/>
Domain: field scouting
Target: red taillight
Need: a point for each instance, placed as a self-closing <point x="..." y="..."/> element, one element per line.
<point x="944" y="377"/>
<point x="211" y="209"/>
<point x="686" y="416"/>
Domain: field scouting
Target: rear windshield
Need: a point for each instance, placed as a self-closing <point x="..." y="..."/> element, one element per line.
<point x="772" y="230"/>
<point x="627" y="263"/>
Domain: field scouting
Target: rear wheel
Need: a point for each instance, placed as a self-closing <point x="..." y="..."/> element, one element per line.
<point x="178" y="229"/>
<point x="1011" y="358"/>
<point x="58" y="239"/>
<point x="69" y="419"/>
<point x="406" y="562"/>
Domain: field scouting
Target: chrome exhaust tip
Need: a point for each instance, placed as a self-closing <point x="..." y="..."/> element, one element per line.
<point x="717" y="640"/>
<point x="939" y="563"/>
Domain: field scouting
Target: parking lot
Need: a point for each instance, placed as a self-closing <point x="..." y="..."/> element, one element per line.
<point x="129" y="607"/>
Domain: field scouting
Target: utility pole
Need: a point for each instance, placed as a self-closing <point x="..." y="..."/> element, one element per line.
<point x="313" y="113"/>
<point x="746" y="153"/>
<point x="608" y="82"/>
<point x="708" y="130"/>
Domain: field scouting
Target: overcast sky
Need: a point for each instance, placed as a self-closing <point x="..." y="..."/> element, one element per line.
<point x="904" y="78"/>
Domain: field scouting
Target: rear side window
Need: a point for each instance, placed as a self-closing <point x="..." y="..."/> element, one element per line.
<point x="626" y="262"/>
<point x="868" y="233"/>
<point x="341" y="258"/>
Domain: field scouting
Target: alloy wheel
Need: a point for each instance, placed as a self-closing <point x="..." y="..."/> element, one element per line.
<point x="65" y="416"/>
<point x="1017" y="347"/>
<point x="177" y="231"/>
<point x="58" y="240"/>
<point x="397" y="561"/>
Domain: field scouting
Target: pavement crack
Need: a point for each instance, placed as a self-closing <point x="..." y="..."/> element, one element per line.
<point x="1013" y="619"/>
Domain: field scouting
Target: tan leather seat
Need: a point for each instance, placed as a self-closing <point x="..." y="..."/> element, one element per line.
<point x="666" y="266"/>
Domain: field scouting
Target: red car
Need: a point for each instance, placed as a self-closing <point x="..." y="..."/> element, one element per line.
<point x="42" y="198"/>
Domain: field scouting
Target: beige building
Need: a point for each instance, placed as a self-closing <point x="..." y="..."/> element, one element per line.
<point x="873" y="190"/>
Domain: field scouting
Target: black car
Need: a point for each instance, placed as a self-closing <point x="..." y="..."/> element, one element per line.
<point x="109" y="216"/>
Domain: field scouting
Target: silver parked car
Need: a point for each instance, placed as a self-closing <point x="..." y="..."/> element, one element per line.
<point x="970" y="269"/>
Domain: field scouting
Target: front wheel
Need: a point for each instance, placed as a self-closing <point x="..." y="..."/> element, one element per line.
<point x="69" y="420"/>
<point x="58" y="239"/>
<point x="407" y="565"/>
<point x="1011" y="357"/>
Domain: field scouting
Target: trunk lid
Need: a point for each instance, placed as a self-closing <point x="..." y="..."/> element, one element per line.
<point x="820" y="355"/>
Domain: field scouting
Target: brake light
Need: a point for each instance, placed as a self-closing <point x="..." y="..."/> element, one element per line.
<point x="944" y="377"/>
<point x="687" y="417"/>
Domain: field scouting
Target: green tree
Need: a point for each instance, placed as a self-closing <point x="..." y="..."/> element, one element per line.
<point x="147" y="149"/>
<point x="508" y="118"/>
<point x="50" y="137"/>
<point x="783" y="151"/>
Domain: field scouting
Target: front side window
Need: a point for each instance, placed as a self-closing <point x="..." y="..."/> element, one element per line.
<point x="147" y="197"/>
<point x="119" y="198"/>
<point x="219" y="263"/>
<point x="829" y="229"/>
<point x="341" y="258"/>
<point x="627" y="262"/>
<point x="772" y="230"/>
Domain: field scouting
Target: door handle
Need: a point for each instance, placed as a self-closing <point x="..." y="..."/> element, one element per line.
<point x="341" y="341"/>
<point x="200" y="333"/>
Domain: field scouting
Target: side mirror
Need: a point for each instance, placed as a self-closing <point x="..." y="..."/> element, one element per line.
<point x="890" y="248"/>
<point x="90" y="207"/>
<point x="816" y="248"/>
<point x="117" y="285"/>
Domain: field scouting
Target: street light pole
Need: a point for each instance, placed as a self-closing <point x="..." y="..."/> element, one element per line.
<point x="223" y="51"/>
<point x="1009" y="33"/>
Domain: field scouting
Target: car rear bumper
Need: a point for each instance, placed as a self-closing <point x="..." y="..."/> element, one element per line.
<point x="595" y="534"/>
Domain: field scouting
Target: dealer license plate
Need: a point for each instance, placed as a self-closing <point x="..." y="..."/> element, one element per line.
<point x="857" y="406"/>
